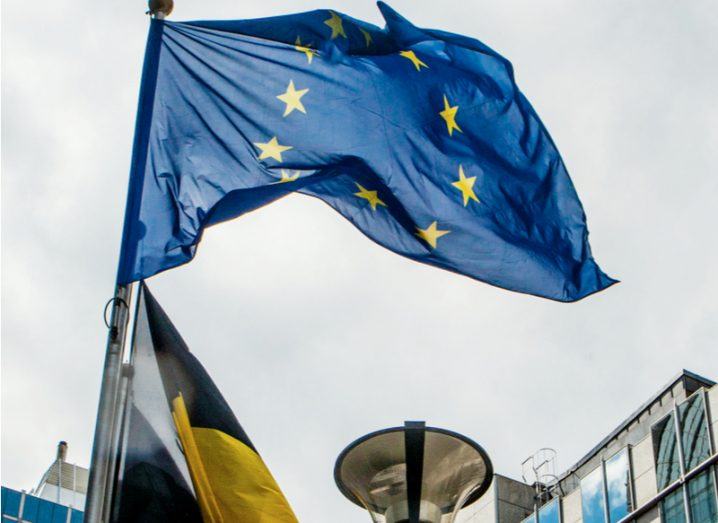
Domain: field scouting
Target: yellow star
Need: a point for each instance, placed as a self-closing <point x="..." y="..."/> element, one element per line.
<point x="370" y="196"/>
<point x="414" y="59"/>
<point x="293" y="99"/>
<point x="367" y="36"/>
<point x="466" y="186"/>
<point x="286" y="177"/>
<point x="431" y="234"/>
<point x="304" y="49"/>
<point x="449" y="114"/>
<point x="335" y="22"/>
<point x="272" y="149"/>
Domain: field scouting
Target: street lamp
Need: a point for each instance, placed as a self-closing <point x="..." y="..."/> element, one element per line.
<point x="413" y="474"/>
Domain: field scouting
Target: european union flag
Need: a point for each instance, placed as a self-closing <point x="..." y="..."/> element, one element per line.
<point x="419" y="137"/>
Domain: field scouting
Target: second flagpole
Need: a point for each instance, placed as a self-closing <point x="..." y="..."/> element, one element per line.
<point x="105" y="426"/>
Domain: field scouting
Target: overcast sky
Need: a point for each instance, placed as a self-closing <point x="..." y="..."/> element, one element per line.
<point x="316" y="335"/>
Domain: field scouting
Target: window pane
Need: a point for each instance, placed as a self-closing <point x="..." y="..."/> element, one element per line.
<point x="10" y="501"/>
<point x="530" y="519"/>
<point x="701" y="499"/>
<point x="694" y="431"/>
<point x="29" y="510"/>
<point x="59" y="514"/>
<point x="672" y="507"/>
<point x="592" y="503"/>
<point x="619" y="484"/>
<point x="549" y="512"/>
<point x="665" y="451"/>
<point x="44" y="511"/>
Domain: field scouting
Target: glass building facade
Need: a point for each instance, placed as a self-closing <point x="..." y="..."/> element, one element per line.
<point x="665" y="449"/>
<point x="618" y="486"/>
<point x="659" y="466"/>
<point x="695" y="438"/>
<point x="593" y="499"/>
<point x="550" y="512"/>
<point x="23" y="507"/>
<point x="684" y="445"/>
<point x="672" y="509"/>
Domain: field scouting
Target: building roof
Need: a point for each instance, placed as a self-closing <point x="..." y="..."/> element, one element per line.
<point x="66" y="475"/>
<point x="63" y="476"/>
<point x="692" y="381"/>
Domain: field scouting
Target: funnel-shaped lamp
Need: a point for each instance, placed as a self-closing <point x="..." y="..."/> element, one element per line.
<point x="413" y="474"/>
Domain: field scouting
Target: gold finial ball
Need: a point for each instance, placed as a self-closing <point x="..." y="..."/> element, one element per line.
<point x="163" y="7"/>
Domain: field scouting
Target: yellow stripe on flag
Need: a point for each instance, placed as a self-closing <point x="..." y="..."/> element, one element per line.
<point x="232" y="481"/>
<point x="205" y="497"/>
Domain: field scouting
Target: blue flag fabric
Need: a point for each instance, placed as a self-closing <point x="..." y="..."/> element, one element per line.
<point x="419" y="137"/>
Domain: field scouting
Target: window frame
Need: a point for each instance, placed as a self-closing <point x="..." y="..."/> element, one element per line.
<point x="534" y="515"/>
<point x="710" y="473"/>
<point x="661" y="507"/>
<point x="604" y="494"/>
<point x="682" y="481"/>
<point x="673" y="412"/>
<point x="631" y="500"/>
<point x="703" y="394"/>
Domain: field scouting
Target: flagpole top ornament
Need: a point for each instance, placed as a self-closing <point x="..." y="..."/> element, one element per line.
<point x="160" y="8"/>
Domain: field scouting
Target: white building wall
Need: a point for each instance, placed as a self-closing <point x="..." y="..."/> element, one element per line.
<point x="652" y="516"/>
<point x="571" y="507"/>
<point x="644" y="472"/>
<point x="713" y="412"/>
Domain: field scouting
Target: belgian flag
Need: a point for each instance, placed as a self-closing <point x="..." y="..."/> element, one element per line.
<point x="186" y="457"/>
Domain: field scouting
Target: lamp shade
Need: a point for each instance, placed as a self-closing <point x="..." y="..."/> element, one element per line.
<point x="413" y="474"/>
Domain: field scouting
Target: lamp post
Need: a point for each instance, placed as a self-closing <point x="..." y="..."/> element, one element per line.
<point x="413" y="474"/>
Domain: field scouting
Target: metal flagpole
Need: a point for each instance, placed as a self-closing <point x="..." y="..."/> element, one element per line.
<point x="110" y="408"/>
<point x="105" y="426"/>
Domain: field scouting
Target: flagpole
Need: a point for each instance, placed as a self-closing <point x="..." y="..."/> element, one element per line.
<point x="101" y="477"/>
